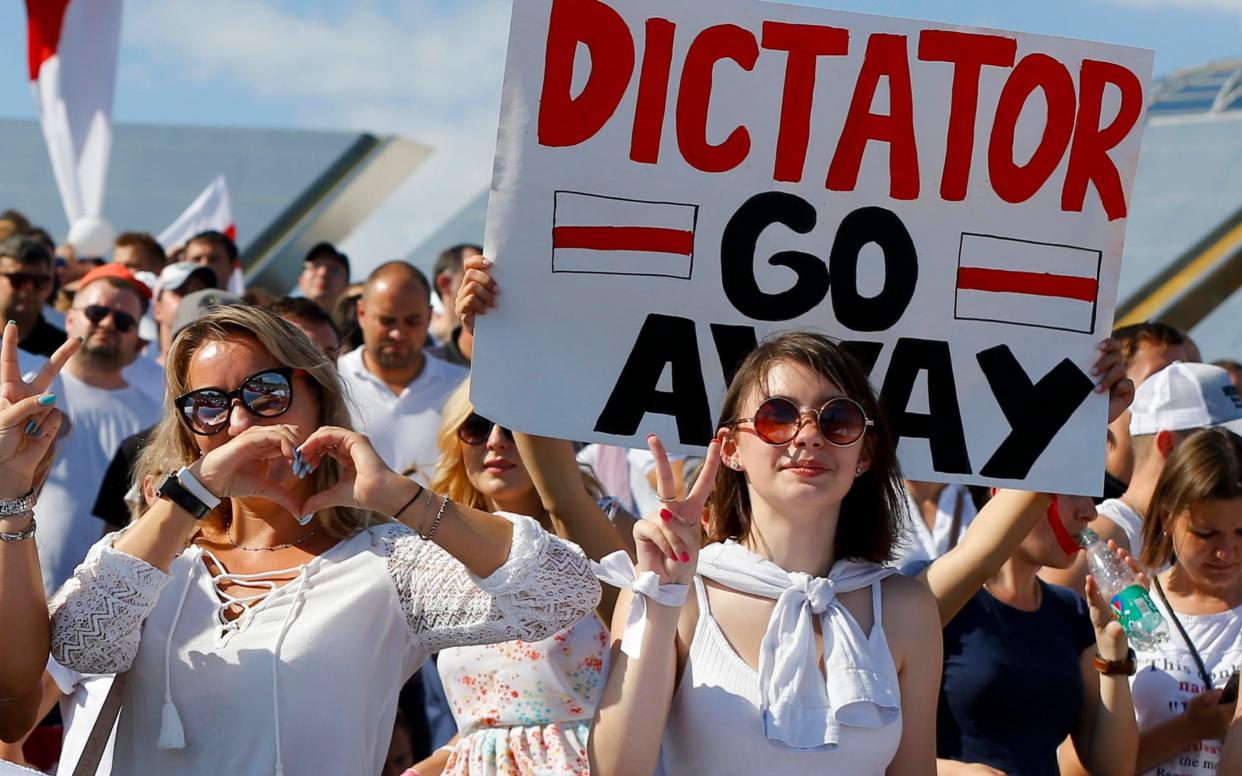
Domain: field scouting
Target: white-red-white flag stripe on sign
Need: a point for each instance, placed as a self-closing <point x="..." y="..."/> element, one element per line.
<point x="603" y="235"/>
<point x="1028" y="283"/>
<point x="71" y="48"/>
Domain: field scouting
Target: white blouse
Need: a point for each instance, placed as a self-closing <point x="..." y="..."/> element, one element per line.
<point x="306" y="680"/>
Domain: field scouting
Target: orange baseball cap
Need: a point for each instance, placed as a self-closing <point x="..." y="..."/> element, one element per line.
<point x="119" y="271"/>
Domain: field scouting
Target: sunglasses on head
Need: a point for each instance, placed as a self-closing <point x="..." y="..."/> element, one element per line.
<point x="19" y="280"/>
<point x="268" y="394"/>
<point x="841" y="421"/>
<point x="96" y="313"/>
<point x="476" y="429"/>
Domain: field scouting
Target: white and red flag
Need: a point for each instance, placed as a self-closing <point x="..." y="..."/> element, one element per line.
<point x="72" y="50"/>
<point x="210" y="210"/>
<point x="1028" y="283"/>
<point x="612" y="236"/>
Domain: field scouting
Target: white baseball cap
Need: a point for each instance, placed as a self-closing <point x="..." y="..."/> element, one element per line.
<point x="1186" y="396"/>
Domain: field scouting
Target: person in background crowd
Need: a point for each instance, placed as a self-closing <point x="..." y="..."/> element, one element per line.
<point x="220" y="593"/>
<point x="938" y="515"/>
<point x="456" y="345"/>
<point x="1194" y="533"/>
<point x="1019" y="667"/>
<point x="102" y="409"/>
<point x="312" y="319"/>
<point x="400" y="748"/>
<point x="11" y="223"/>
<point x="522" y="708"/>
<point x="397" y="388"/>
<point x="1233" y="368"/>
<point x="215" y="250"/>
<point x="345" y="316"/>
<point x="1168" y="407"/>
<point x="1147" y="348"/>
<point x="325" y="275"/>
<point x="176" y="281"/>
<point x="25" y="280"/>
<point x="140" y="252"/>
<point x="29" y="424"/>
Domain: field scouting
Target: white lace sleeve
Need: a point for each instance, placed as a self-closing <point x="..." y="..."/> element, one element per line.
<point x="545" y="586"/>
<point x="97" y="615"/>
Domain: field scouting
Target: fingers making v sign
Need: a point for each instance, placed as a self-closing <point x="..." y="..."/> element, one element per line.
<point x="668" y="541"/>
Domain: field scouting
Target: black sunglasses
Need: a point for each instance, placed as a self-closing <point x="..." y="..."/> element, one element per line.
<point x="20" y="280"/>
<point x="96" y="313"/>
<point x="476" y="429"/>
<point x="841" y="421"/>
<point x="268" y="394"/>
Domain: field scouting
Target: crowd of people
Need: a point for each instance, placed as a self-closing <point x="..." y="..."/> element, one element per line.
<point x="272" y="535"/>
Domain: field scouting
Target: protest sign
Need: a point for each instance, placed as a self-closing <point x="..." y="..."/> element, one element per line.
<point x="675" y="181"/>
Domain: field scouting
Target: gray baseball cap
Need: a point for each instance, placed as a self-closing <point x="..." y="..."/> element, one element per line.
<point x="196" y="305"/>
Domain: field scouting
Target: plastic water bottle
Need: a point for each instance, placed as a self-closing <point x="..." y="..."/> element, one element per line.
<point x="1144" y="625"/>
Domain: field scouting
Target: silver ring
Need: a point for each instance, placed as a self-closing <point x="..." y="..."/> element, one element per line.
<point x="664" y="500"/>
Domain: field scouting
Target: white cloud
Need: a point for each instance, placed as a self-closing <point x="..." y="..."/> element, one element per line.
<point x="426" y="70"/>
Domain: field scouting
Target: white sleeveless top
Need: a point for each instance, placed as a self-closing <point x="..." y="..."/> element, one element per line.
<point x="715" y="726"/>
<point x="1127" y="519"/>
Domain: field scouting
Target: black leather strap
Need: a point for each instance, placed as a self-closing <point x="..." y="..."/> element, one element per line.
<point x="174" y="491"/>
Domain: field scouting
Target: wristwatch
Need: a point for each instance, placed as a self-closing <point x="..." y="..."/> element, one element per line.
<point x="1125" y="667"/>
<point x="17" y="506"/>
<point x="188" y="493"/>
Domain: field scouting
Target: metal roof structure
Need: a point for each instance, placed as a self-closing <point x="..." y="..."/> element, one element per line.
<point x="289" y="188"/>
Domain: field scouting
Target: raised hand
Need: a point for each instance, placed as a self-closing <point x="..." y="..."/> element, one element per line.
<point x="257" y="462"/>
<point x="668" y="542"/>
<point x="366" y="481"/>
<point x="1110" y="370"/>
<point x="1110" y="636"/>
<point x="29" y="421"/>
<point x="478" y="291"/>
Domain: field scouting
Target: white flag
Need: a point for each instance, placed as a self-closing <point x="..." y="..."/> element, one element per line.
<point x="72" y="49"/>
<point x="210" y="210"/>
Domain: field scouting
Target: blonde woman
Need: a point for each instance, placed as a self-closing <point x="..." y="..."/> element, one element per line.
<point x="246" y="628"/>
<point x="522" y="707"/>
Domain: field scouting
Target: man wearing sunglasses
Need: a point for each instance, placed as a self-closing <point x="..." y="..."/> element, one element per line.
<point x="103" y="409"/>
<point x="25" y="280"/>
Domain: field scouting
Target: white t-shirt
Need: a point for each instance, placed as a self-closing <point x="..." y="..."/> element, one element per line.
<point x="403" y="429"/>
<point x="1127" y="519"/>
<point x="101" y="420"/>
<point x="83" y="697"/>
<point x="1167" y="678"/>
<point x="920" y="543"/>
<point x="147" y="376"/>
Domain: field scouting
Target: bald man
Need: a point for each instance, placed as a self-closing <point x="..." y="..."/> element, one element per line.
<point x="397" y="387"/>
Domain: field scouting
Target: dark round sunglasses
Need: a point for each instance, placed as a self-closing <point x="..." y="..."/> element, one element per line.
<point x="268" y="394"/>
<point x="20" y="280"/>
<point x="96" y="313"/>
<point x="476" y="429"/>
<point x="841" y="421"/>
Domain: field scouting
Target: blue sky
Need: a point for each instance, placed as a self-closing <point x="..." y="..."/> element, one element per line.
<point x="431" y="70"/>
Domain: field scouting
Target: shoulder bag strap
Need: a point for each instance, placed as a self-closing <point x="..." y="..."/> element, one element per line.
<point x="101" y="731"/>
<point x="1194" y="653"/>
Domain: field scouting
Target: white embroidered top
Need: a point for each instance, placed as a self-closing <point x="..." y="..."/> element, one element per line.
<point x="306" y="680"/>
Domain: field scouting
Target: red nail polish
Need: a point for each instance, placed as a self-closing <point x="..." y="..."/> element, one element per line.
<point x="685" y="557"/>
<point x="666" y="515"/>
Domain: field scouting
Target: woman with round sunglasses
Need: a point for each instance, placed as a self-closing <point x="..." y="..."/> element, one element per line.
<point x="523" y="707"/>
<point x="271" y="603"/>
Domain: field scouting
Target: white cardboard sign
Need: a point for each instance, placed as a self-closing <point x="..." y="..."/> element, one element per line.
<point x="674" y="181"/>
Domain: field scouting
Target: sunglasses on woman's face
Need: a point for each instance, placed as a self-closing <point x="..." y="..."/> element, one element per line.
<point x="476" y="430"/>
<point x="96" y="313"/>
<point x="841" y="421"/>
<point x="268" y="394"/>
<point x="19" y="280"/>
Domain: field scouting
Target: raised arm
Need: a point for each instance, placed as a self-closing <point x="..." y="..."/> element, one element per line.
<point x="1106" y="736"/>
<point x="576" y="515"/>
<point x="632" y="713"/>
<point x="29" y="424"/>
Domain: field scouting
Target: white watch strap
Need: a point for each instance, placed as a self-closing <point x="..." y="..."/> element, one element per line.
<point x="194" y="486"/>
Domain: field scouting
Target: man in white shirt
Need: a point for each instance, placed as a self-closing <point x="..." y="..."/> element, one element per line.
<point x="1169" y="406"/>
<point x="102" y="409"/>
<point x="397" y="389"/>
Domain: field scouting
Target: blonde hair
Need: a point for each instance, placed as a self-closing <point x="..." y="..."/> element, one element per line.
<point x="450" y="478"/>
<point x="172" y="444"/>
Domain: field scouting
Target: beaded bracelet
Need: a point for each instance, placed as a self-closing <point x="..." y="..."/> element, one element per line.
<point x="17" y="536"/>
<point x="435" y="524"/>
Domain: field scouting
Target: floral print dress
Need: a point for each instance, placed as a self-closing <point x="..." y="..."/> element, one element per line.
<point x="526" y="708"/>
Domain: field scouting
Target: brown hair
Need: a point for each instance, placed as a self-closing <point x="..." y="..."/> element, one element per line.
<point x="172" y="445"/>
<point x="1206" y="465"/>
<point x="1134" y="336"/>
<point x="872" y="512"/>
<point x="145" y="244"/>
